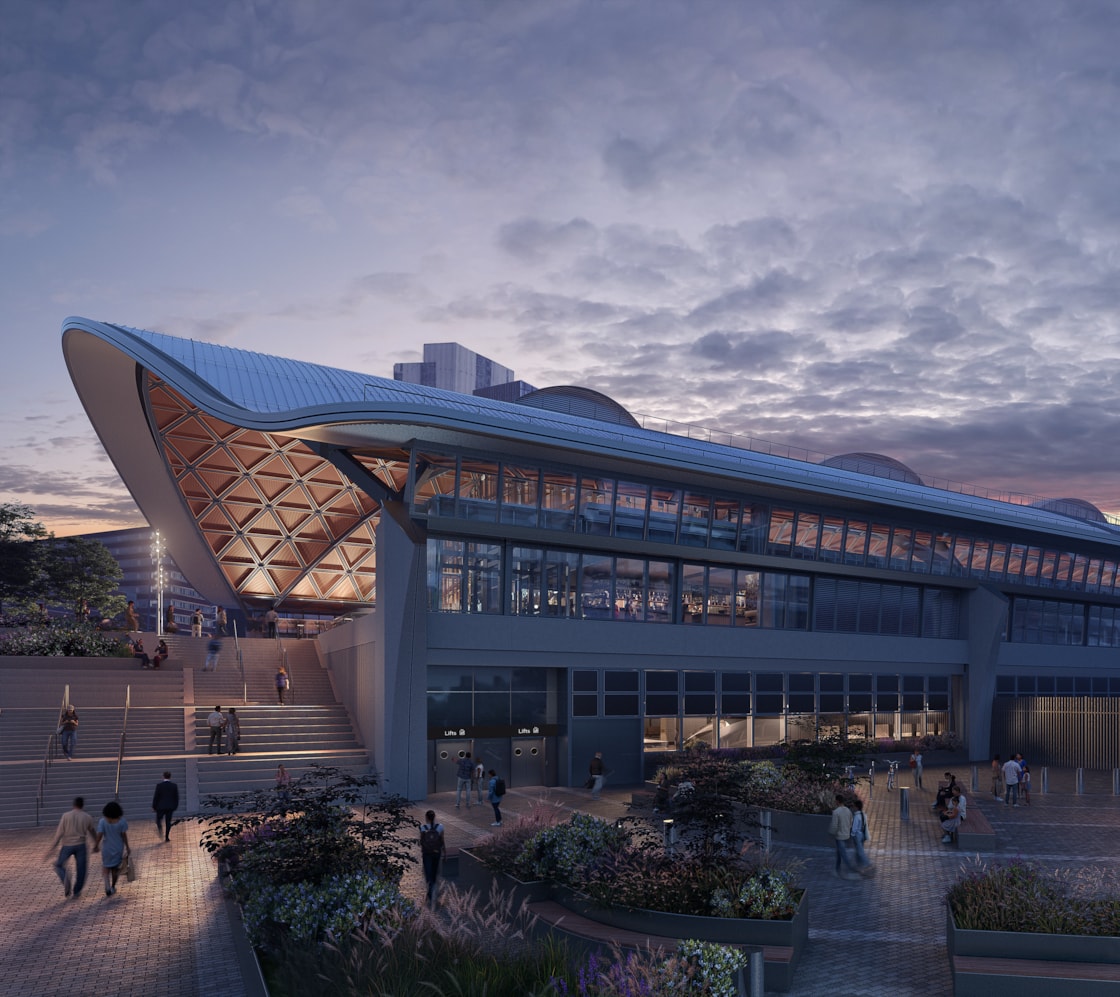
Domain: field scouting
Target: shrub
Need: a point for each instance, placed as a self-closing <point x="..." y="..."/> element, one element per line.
<point x="501" y="850"/>
<point x="329" y="823"/>
<point x="704" y="969"/>
<point x="567" y="853"/>
<point x="276" y="914"/>
<point x="64" y="638"/>
<point x="1019" y="896"/>
<point x="468" y="947"/>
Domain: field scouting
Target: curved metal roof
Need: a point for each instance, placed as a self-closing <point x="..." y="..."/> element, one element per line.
<point x="268" y="394"/>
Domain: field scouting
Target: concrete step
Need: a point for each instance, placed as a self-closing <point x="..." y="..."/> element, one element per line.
<point x="237" y="774"/>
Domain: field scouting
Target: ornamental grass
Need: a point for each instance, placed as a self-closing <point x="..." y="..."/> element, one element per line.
<point x="1021" y="896"/>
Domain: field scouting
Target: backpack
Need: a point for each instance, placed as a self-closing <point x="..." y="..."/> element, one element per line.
<point x="430" y="841"/>
<point x="499" y="786"/>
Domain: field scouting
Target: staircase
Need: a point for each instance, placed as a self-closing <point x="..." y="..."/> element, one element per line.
<point x="166" y="726"/>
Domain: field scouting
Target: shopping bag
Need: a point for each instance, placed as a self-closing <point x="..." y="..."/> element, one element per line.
<point x="130" y="871"/>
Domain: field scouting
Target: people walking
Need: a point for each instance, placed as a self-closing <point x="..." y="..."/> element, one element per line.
<point x="432" y="849"/>
<point x="165" y="801"/>
<point x="997" y="778"/>
<point x="597" y="774"/>
<point x="233" y="731"/>
<point x="840" y="828"/>
<point x="131" y="617"/>
<point x="496" y="791"/>
<point x="216" y="721"/>
<point x="112" y="841"/>
<point x="860" y="836"/>
<point x="75" y="828"/>
<point x="281" y="683"/>
<point x="68" y="731"/>
<point x="1025" y="784"/>
<point x="464" y="769"/>
<point x="213" y="649"/>
<point x="271" y="619"/>
<point x="196" y="623"/>
<point x="220" y="621"/>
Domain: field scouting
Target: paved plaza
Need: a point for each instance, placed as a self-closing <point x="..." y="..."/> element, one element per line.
<point x="171" y="932"/>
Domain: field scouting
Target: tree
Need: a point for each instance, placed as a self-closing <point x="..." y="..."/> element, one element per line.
<point x="19" y="553"/>
<point x="81" y="573"/>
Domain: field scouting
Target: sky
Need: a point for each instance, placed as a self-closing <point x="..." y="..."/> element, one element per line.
<point x="840" y="226"/>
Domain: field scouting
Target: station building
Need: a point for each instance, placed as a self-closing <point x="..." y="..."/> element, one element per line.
<point x="541" y="579"/>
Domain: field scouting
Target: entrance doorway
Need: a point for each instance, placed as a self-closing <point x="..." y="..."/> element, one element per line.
<point x="443" y="757"/>
<point x="529" y="762"/>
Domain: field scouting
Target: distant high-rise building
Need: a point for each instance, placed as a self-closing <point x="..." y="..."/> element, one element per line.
<point x="132" y="550"/>
<point x="454" y="368"/>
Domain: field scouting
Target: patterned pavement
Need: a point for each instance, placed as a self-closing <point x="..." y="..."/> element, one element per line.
<point x="170" y="932"/>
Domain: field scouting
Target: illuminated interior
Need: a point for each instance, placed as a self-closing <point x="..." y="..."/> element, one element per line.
<point x="283" y="523"/>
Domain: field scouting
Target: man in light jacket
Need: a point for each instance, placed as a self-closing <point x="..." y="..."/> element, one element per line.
<point x="841" y="830"/>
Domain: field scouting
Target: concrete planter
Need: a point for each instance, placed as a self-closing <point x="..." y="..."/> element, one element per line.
<point x="798" y="829"/>
<point x="1029" y="947"/>
<point x="792" y="934"/>
<point x="473" y="875"/>
<point x="1029" y="944"/>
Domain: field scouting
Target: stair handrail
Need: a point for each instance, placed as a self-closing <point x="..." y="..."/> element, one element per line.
<point x="240" y="664"/>
<point x="120" y="750"/>
<point x="51" y="753"/>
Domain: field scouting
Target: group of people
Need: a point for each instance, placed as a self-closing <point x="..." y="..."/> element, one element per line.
<point x="227" y="724"/>
<point x="77" y="830"/>
<point x="154" y="660"/>
<point x="850" y="832"/>
<point x="1011" y="780"/>
<point x="470" y="777"/>
<point x="952" y="804"/>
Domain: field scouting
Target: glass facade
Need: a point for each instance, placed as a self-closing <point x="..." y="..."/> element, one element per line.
<point x="467" y="577"/>
<point x="742" y="709"/>
<point x="573" y="501"/>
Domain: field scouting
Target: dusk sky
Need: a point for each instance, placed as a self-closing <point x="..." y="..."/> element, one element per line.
<point x="879" y="226"/>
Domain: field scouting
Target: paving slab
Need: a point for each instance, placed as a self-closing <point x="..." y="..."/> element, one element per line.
<point x="170" y="932"/>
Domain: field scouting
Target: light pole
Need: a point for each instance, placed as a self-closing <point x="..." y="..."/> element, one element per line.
<point x="157" y="578"/>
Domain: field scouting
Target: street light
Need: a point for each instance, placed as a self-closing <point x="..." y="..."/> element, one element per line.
<point x="157" y="577"/>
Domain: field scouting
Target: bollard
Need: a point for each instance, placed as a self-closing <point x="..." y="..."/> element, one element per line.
<point x="1080" y="781"/>
<point x="1116" y="782"/>
<point x="975" y="787"/>
<point x="758" y="972"/>
<point x="904" y="803"/>
<point x="1045" y="779"/>
<point x="669" y="833"/>
<point x="766" y="828"/>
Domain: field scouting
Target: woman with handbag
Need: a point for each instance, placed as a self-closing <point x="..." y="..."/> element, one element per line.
<point x="112" y="842"/>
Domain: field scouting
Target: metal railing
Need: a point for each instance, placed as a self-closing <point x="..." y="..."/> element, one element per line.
<point x="240" y="664"/>
<point x="120" y="750"/>
<point x="50" y="754"/>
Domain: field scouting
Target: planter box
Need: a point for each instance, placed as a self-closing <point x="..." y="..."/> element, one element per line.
<point x="797" y="829"/>
<point x="790" y="936"/>
<point x="1023" y="964"/>
<point x="473" y="875"/>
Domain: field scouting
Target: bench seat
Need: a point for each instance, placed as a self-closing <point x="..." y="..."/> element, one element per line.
<point x="976" y="976"/>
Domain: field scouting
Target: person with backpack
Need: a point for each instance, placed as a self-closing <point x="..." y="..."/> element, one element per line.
<point x="497" y="791"/>
<point x="432" y="849"/>
<point x="463" y="771"/>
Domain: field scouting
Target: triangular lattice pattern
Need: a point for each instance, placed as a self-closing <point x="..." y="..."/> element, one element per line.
<point x="283" y="523"/>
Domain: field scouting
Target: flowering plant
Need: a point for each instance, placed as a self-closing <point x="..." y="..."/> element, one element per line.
<point x="703" y="969"/>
